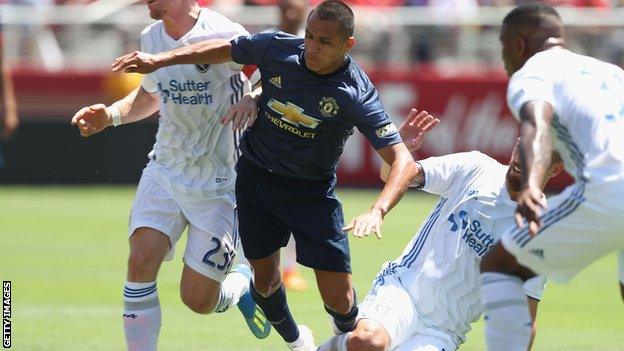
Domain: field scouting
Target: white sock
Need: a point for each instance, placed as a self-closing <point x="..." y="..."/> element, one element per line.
<point x="337" y="343"/>
<point x="141" y="316"/>
<point x="506" y="312"/>
<point x="233" y="287"/>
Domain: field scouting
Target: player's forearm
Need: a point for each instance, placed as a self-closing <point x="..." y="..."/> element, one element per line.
<point x="400" y="174"/>
<point x="211" y="52"/>
<point x="136" y="106"/>
<point x="535" y="144"/>
<point x="418" y="180"/>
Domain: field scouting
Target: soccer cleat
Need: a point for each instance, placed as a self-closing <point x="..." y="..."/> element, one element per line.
<point x="257" y="322"/>
<point x="293" y="280"/>
<point x="305" y="341"/>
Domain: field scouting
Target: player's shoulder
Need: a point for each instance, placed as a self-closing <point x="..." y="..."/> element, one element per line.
<point x="155" y="27"/>
<point x="358" y="77"/>
<point x="215" y="19"/>
<point x="286" y="40"/>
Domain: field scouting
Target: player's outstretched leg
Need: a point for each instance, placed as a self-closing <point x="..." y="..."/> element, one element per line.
<point x="141" y="315"/>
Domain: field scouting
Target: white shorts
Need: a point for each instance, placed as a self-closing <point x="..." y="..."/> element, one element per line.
<point x="212" y="236"/>
<point x="392" y="306"/>
<point x="581" y="224"/>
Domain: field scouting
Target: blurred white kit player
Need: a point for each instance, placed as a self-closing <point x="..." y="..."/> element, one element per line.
<point x="584" y="222"/>
<point x="189" y="180"/>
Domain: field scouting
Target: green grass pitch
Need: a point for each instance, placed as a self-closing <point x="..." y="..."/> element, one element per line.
<point x="65" y="249"/>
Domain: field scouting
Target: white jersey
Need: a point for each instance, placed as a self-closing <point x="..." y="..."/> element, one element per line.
<point x="440" y="266"/>
<point x="587" y="96"/>
<point x="194" y="153"/>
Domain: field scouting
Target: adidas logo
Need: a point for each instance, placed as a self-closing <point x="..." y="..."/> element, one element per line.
<point x="277" y="81"/>
<point x="538" y="252"/>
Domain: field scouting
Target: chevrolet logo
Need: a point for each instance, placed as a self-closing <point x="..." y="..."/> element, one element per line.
<point x="293" y="114"/>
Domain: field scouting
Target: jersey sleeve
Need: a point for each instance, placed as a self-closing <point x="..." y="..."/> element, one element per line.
<point x="534" y="287"/>
<point x="370" y="118"/>
<point x="251" y="49"/>
<point x="148" y="83"/>
<point x="234" y="30"/>
<point x="533" y="82"/>
<point x="441" y="173"/>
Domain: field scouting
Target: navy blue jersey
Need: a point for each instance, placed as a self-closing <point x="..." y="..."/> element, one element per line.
<point x="304" y="118"/>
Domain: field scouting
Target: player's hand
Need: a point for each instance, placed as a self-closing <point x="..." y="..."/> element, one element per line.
<point x="364" y="224"/>
<point x="91" y="119"/>
<point x="531" y="202"/>
<point x="414" y="128"/>
<point x="137" y="62"/>
<point x="9" y="125"/>
<point x="243" y="113"/>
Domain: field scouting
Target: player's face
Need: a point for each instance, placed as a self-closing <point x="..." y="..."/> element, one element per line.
<point x="325" y="45"/>
<point x="512" y="49"/>
<point x="514" y="173"/>
<point x="158" y="8"/>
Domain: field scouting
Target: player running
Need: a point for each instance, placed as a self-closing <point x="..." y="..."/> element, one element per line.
<point x="313" y="95"/>
<point x="427" y="298"/>
<point x="189" y="180"/>
<point x="574" y="105"/>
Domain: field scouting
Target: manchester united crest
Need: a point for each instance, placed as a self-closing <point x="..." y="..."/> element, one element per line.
<point x="328" y="107"/>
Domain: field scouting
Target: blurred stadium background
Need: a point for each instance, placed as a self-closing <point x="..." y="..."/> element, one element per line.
<point x="63" y="244"/>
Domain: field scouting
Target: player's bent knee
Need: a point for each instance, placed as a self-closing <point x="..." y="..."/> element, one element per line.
<point x="142" y="266"/>
<point x="368" y="339"/>
<point x="199" y="304"/>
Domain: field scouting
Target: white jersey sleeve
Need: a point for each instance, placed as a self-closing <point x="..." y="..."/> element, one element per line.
<point x="536" y="81"/>
<point x="441" y="173"/>
<point x="228" y="30"/>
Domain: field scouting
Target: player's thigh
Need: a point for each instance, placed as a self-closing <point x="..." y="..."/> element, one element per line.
<point x="316" y="220"/>
<point x="212" y="238"/>
<point x="261" y="232"/>
<point x="576" y="232"/>
<point x="390" y="304"/>
<point x="154" y="207"/>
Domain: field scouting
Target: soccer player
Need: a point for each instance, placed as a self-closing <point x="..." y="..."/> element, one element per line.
<point x="573" y="105"/>
<point x="189" y="180"/>
<point x="429" y="296"/>
<point x="313" y="95"/>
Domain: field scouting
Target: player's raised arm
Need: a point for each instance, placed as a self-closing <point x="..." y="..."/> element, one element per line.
<point x="413" y="131"/>
<point x="213" y="51"/>
<point x="135" y="106"/>
<point x="535" y="159"/>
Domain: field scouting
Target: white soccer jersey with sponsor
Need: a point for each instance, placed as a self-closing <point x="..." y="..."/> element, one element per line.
<point x="587" y="96"/>
<point x="440" y="266"/>
<point x="194" y="153"/>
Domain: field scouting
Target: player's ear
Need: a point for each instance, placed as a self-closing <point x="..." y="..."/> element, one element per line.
<point x="520" y="45"/>
<point x="349" y="43"/>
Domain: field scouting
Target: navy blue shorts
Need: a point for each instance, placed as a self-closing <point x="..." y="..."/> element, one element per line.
<point x="271" y="207"/>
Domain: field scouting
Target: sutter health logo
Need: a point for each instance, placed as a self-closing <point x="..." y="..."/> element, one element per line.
<point x="188" y="92"/>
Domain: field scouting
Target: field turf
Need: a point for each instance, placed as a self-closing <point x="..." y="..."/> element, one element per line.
<point x="64" y="249"/>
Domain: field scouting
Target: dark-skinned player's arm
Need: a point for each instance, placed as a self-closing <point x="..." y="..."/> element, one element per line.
<point x="413" y="132"/>
<point x="535" y="157"/>
<point x="213" y="51"/>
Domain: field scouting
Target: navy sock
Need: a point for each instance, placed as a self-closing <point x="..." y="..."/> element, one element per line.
<point x="276" y="310"/>
<point x="345" y="322"/>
